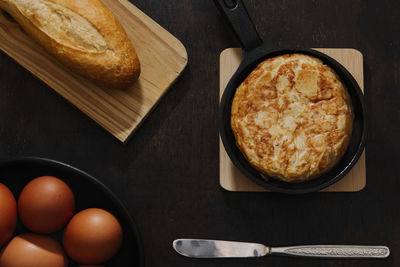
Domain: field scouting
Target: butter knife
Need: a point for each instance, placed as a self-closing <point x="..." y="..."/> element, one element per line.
<point x="202" y="248"/>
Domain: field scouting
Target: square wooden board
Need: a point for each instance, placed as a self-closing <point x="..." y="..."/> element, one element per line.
<point x="162" y="58"/>
<point x="232" y="179"/>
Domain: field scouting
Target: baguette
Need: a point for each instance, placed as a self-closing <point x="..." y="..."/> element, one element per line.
<point x="83" y="35"/>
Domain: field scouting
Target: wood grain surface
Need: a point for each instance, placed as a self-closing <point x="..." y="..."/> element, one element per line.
<point x="232" y="179"/>
<point x="161" y="55"/>
<point x="167" y="175"/>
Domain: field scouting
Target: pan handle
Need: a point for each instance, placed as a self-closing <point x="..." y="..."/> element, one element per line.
<point x="236" y="14"/>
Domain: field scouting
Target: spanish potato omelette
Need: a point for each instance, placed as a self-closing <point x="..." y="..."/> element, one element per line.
<point x="292" y="117"/>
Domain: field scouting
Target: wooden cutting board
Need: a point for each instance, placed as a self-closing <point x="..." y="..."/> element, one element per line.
<point x="162" y="57"/>
<point x="232" y="179"/>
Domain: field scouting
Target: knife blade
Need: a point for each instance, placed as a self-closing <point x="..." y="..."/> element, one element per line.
<point x="203" y="248"/>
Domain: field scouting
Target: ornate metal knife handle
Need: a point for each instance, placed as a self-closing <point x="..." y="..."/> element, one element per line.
<point x="333" y="251"/>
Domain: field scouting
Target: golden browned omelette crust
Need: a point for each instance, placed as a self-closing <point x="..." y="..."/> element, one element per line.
<point x="292" y="117"/>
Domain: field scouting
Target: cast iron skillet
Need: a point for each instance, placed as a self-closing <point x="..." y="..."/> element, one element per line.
<point x="255" y="51"/>
<point x="89" y="193"/>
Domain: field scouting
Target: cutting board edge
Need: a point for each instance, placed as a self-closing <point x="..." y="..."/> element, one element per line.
<point x="153" y="107"/>
<point x="182" y="48"/>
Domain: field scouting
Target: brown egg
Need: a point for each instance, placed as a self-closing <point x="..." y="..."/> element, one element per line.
<point x="32" y="250"/>
<point x="92" y="236"/>
<point x="8" y="214"/>
<point x="46" y="204"/>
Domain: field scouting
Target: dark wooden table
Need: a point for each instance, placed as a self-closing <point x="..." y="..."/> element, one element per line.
<point x="167" y="175"/>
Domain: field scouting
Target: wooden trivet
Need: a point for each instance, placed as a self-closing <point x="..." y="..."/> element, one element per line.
<point x="232" y="179"/>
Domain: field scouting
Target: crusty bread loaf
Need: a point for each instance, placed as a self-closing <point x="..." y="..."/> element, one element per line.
<point x="83" y="35"/>
<point x="292" y="117"/>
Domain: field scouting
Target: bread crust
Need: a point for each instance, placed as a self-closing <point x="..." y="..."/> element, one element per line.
<point x="292" y="117"/>
<point x="114" y="65"/>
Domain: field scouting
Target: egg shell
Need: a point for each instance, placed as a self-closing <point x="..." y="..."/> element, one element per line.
<point x="46" y="204"/>
<point x="32" y="250"/>
<point x="92" y="236"/>
<point x="8" y="214"/>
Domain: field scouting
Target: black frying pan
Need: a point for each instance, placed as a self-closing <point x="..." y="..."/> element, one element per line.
<point x="255" y="51"/>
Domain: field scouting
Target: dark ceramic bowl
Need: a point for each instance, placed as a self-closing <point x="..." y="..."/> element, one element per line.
<point x="89" y="193"/>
